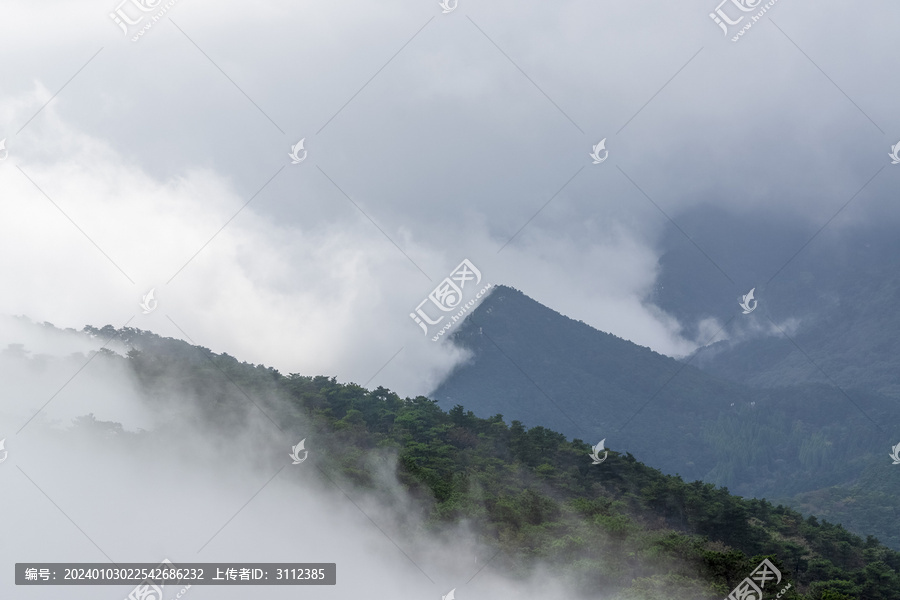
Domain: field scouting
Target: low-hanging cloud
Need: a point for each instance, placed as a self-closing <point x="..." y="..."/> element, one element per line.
<point x="173" y="484"/>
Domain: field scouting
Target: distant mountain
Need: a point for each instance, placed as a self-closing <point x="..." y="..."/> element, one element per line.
<point x="531" y="364"/>
<point x="835" y="293"/>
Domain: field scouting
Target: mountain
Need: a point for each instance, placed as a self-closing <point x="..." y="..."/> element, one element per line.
<point x="827" y="307"/>
<point x="620" y="530"/>
<point x="534" y="365"/>
<point x="531" y="364"/>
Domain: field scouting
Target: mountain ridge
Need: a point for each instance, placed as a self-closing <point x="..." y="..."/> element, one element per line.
<point x="621" y="528"/>
<point x="534" y="365"/>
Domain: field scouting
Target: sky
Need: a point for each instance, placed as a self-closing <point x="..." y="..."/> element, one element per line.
<point x="168" y="161"/>
<point x="429" y="138"/>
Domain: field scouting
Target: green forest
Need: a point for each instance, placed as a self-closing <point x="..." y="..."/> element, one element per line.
<point x="619" y="528"/>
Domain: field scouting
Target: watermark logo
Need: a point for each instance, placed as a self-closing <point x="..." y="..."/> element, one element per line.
<point x="724" y="19"/>
<point x="4" y="153"/>
<point x="148" y="302"/>
<point x="895" y="453"/>
<point x="449" y="6"/>
<point x="600" y="147"/>
<point x="296" y="450"/>
<point x="595" y="454"/>
<point x="4" y="454"/>
<point x="451" y="595"/>
<point x="751" y="587"/>
<point x="448" y="296"/>
<point x="147" y="590"/>
<point x="895" y="153"/>
<point x="745" y="301"/>
<point x="126" y="21"/>
<point x="123" y="20"/>
<point x="296" y="157"/>
<point x="721" y="18"/>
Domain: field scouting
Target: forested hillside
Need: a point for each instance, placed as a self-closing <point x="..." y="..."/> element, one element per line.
<point x="619" y="529"/>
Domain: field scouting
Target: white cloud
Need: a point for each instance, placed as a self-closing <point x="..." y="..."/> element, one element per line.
<point x="150" y="149"/>
<point x="192" y="492"/>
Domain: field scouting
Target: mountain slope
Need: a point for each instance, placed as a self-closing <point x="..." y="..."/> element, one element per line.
<point x="531" y="364"/>
<point x="534" y="365"/>
<point x="620" y="530"/>
<point x="835" y="296"/>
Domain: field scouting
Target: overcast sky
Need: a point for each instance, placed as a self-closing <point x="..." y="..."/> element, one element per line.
<point x="432" y="137"/>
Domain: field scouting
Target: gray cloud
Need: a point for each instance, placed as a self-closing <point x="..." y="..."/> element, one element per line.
<point x="449" y="132"/>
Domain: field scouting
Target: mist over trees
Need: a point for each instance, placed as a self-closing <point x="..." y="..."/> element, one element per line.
<point x="531" y="494"/>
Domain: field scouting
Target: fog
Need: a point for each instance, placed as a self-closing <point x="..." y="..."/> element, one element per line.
<point x="163" y="165"/>
<point x="169" y="486"/>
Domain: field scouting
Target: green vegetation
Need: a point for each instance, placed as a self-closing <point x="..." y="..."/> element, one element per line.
<point x="621" y="526"/>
